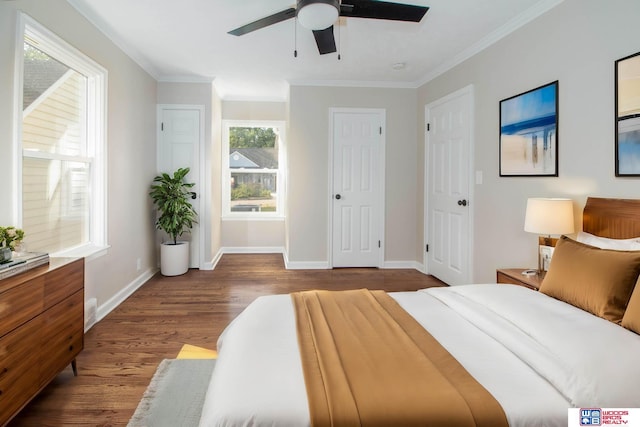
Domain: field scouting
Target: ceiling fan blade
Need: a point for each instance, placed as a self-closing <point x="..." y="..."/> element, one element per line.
<point x="265" y="22"/>
<point x="325" y="40"/>
<point x="382" y="10"/>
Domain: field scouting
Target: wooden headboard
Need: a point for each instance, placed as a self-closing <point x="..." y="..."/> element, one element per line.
<point x="613" y="218"/>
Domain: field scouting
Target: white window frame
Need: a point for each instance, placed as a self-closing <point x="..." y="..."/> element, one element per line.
<point x="32" y="32"/>
<point x="280" y="172"/>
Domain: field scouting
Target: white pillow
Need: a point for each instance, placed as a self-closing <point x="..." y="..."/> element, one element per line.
<point x="606" y="243"/>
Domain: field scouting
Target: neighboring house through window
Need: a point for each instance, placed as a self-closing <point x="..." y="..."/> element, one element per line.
<point x="62" y="141"/>
<point x="253" y="163"/>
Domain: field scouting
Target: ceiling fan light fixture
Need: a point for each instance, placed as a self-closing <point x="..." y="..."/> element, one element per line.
<point x="318" y="14"/>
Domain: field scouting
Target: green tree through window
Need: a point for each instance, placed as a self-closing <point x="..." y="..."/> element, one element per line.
<point x="252" y="171"/>
<point x="251" y="137"/>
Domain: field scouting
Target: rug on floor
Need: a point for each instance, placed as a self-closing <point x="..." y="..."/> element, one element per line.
<point x="175" y="396"/>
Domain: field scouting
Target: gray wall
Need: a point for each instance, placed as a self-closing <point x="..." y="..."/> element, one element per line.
<point x="576" y="43"/>
<point x="131" y="143"/>
<point x="307" y="221"/>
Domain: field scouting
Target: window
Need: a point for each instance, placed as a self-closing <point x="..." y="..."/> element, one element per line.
<point x="253" y="177"/>
<point x="62" y="146"/>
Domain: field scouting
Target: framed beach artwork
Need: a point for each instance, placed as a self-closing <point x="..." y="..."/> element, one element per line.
<point x="529" y="133"/>
<point x="627" y="82"/>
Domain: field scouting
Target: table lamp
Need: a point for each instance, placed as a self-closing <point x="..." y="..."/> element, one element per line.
<point x="546" y="217"/>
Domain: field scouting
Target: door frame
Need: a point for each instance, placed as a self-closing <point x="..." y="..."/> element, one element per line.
<point x="470" y="93"/>
<point x="204" y="199"/>
<point x="382" y="112"/>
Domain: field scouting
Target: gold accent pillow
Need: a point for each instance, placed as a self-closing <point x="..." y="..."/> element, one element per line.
<point x="631" y="318"/>
<point x="599" y="281"/>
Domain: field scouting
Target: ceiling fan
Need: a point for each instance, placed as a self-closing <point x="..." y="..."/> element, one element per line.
<point x="320" y="16"/>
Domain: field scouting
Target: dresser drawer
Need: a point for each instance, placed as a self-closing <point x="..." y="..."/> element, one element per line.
<point x="63" y="329"/>
<point x="515" y="276"/>
<point x="19" y="372"/>
<point x="62" y="282"/>
<point x="503" y="278"/>
<point x="20" y="304"/>
<point x="41" y="329"/>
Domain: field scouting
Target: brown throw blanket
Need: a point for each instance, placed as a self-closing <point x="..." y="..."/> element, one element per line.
<point x="367" y="362"/>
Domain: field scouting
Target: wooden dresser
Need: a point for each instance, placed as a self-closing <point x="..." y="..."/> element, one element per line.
<point x="41" y="329"/>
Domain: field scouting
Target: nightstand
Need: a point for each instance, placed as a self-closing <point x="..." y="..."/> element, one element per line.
<point x="514" y="276"/>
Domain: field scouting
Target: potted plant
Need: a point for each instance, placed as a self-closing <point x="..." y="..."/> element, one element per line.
<point x="171" y="196"/>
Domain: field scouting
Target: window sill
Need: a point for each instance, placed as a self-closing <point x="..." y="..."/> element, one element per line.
<point x="88" y="252"/>
<point x="252" y="218"/>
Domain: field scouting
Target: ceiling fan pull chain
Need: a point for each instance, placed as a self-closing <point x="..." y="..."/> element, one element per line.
<point x="339" y="31"/>
<point x="295" y="38"/>
<point x="339" y="39"/>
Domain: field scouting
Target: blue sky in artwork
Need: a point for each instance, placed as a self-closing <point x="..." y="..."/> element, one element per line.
<point x="532" y="105"/>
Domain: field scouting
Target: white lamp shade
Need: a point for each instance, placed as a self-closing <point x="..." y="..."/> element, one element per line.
<point x="318" y="16"/>
<point x="549" y="216"/>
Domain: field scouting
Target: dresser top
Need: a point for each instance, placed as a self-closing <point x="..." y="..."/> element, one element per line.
<point x="54" y="264"/>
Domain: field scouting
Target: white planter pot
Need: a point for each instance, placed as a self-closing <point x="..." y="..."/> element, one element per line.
<point x="174" y="259"/>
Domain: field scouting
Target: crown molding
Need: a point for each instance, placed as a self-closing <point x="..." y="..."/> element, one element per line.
<point x="240" y="98"/>
<point x="108" y="32"/>
<point x="519" y="21"/>
<point x="524" y="18"/>
<point x="354" y="83"/>
<point x="185" y="79"/>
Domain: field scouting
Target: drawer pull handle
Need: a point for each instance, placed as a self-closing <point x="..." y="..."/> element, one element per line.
<point x="70" y="348"/>
<point x="4" y="371"/>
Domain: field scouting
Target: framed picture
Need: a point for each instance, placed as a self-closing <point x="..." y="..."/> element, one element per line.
<point x="627" y="82"/>
<point x="529" y="133"/>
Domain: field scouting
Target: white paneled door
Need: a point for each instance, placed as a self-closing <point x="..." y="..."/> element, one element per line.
<point x="447" y="206"/>
<point x="357" y="187"/>
<point x="179" y="142"/>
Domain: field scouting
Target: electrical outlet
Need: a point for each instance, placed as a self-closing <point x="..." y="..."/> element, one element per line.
<point x="138" y="264"/>
<point x="546" y="252"/>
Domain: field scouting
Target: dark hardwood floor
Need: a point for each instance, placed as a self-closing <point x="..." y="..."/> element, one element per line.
<point x="123" y="350"/>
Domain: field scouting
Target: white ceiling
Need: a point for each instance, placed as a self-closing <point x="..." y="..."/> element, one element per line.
<point x="187" y="40"/>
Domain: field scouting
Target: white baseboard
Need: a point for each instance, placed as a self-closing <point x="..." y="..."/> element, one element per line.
<point x="300" y="265"/>
<point x="252" y="250"/>
<point x="241" y="250"/>
<point x="421" y="267"/>
<point x="124" y="293"/>
<point x="90" y="313"/>
<point x="303" y="265"/>
<point x="307" y="265"/>
<point x="403" y="264"/>
<point x="289" y="265"/>
<point x="212" y="264"/>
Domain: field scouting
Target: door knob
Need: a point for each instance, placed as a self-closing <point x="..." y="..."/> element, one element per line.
<point x="338" y="197"/>
<point x="462" y="202"/>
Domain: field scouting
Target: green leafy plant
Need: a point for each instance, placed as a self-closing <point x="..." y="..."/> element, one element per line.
<point x="171" y="196"/>
<point x="10" y="237"/>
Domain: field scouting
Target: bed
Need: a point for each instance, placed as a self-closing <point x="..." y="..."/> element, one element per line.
<point x="536" y="353"/>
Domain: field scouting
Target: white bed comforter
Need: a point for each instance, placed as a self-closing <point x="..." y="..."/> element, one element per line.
<point x="537" y="356"/>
